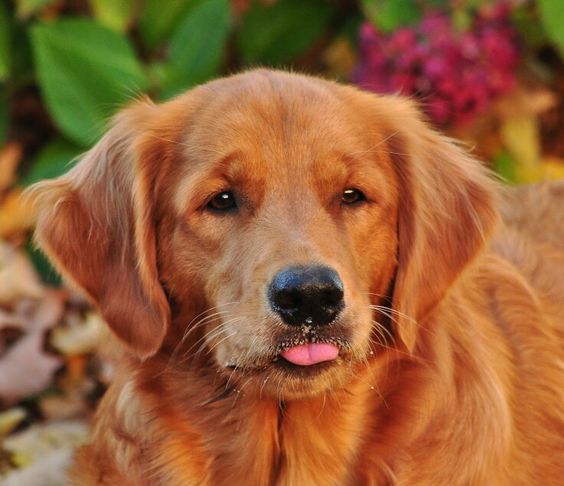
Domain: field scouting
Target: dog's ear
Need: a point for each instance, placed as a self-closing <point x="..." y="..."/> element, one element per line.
<point x="97" y="224"/>
<point x="446" y="214"/>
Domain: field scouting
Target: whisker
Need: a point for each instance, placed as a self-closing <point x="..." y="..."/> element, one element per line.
<point x="209" y="336"/>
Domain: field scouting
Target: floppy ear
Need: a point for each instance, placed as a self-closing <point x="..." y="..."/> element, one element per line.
<point x="446" y="214"/>
<point x="96" y="223"/>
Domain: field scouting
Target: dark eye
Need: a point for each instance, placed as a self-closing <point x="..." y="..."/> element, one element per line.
<point x="222" y="201"/>
<point x="352" y="196"/>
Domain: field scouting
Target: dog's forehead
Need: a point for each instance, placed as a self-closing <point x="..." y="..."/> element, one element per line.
<point x="293" y="130"/>
<point x="282" y="121"/>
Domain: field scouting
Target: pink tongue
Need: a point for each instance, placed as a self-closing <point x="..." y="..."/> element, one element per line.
<point x="310" y="354"/>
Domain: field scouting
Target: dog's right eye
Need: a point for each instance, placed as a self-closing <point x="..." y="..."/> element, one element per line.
<point x="222" y="201"/>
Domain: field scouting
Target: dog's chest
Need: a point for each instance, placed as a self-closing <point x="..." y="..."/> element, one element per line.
<point x="311" y="443"/>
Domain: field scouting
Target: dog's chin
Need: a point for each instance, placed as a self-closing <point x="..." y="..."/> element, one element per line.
<point x="283" y="380"/>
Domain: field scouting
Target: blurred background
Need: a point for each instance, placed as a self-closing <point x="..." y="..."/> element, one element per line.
<point x="488" y="72"/>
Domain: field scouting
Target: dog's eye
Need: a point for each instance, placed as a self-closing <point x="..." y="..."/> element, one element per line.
<point x="352" y="196"/>
<point x="223" y="201"/>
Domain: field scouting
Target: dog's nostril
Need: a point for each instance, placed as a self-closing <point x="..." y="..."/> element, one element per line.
<point x="331" y="296"/>
<point x="286" y="299"/>
<point x="307" y="295"/>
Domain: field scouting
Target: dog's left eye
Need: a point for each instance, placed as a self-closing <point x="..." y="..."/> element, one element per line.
<point x="352" y="196"/>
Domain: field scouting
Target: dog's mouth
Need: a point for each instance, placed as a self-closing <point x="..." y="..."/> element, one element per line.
<point x="297" y="365"/>
<point x="301" y="357"/>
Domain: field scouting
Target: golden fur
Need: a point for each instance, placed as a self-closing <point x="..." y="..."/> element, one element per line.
<point x="451" y="368"/>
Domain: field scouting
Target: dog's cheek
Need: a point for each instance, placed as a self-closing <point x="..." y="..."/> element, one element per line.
<point x="374" y="244"/>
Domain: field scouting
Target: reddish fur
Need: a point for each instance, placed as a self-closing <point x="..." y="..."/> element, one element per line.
<point x="466" y="389"/>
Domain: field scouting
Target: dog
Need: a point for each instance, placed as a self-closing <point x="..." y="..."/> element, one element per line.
<point x="310" y="286"/>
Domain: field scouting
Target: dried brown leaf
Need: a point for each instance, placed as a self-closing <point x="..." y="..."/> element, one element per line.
<point x="18" y="278"/>
<point x="526" y="102"/>
<point x="10" y="157"/>
<point x="49" y="471"/>
<point x="25" y="368"/>
<point x="78" y="336"/>
<point x="62" y="407"/>
<point x="40" y="440"/>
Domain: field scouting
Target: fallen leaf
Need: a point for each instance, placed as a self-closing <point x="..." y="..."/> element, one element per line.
<point x="11" y="320"/>
<point x="63" y="406"/>
<point x="78" y="336"/>
<point x="518" y="115"/>
<point x="11" y="328"/>
<point x="49" y="471"/>
<point x="17" y="214"/>
<point x="18" y="278"/>
<point x="10" y="157"/>
<point x="39" y="443"/>
<point x="25" y="368"/>
<point x="525" y="101"/>
<point x="10" y="419"/>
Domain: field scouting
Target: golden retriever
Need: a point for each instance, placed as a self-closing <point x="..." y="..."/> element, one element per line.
<point x="312" y="287"/>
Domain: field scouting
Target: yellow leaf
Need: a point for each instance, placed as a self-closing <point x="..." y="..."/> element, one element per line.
<point x="10" y="419"/>
<point x="549" y="168"/>
<point x="553" y="168"/>
<point x="16" y="214"/>
<point x="10" y="157"/>
<point x="520" y="136"/>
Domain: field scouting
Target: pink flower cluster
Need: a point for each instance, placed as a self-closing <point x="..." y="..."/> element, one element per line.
<point x="455" y="74"/>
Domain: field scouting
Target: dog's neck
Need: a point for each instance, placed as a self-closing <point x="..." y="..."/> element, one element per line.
<point x="237" y="438"/>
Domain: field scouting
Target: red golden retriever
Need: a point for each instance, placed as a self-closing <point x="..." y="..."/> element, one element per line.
<point x="312" y="287"/>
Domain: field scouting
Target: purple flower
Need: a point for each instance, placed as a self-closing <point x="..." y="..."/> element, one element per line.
<point x="456" y="74"/>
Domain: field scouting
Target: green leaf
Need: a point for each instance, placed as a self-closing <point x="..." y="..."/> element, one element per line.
<point x="552" y="17"/>
<point x="276" y="34"/>
<point x="504" y="165"/>
<point x="197" y="47"/>
<point x="4" y="116"/>
<point x="114" y="14"/>
<point x="55" y="159"/>
<point x="160" y="18"/>
<point x="86" y="72"/>
<point x="48" y="274"/>
<point x="5" y="47"/>
<point x="388" y="15"/>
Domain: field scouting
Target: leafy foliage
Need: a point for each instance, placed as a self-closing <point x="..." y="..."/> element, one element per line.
<point x="275" y="34"/>
<point x="85" y="72"/>
<point x="196" y="50"/>
<point x="5" y="47"/>
<point x="388" y="16"/>
<point x="552" y="17"/>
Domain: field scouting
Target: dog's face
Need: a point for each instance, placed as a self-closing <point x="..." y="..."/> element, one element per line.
<point x="285" y="229"/>
<point x="287" y="221"/>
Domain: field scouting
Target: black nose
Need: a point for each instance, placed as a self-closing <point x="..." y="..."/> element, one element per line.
<point x="307" y="295"/>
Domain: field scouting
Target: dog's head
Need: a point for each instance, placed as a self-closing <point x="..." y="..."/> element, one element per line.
<point x="281" y="228"/>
